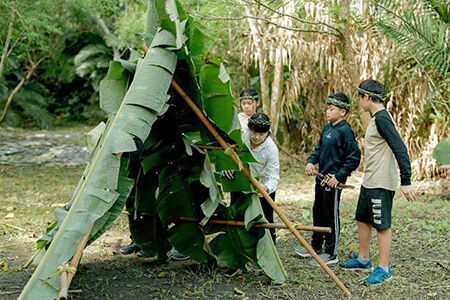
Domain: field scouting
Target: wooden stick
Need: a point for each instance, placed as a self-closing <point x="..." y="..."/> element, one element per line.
<point x="216" y="148"/>
<point x="266" y="196"/>
<point x="242" y="224"/>
<point x="62" y="295"/>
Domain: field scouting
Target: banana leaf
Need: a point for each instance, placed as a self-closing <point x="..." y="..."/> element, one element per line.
<point x="441" y="152"/>
<point x="98" y="192"/>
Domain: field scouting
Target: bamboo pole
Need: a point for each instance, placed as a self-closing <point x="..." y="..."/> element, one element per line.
<point x="263" y="192"/>
<point x="66" y="277"/>
<point x="242" y="224"/>
<point x="216" y="148"/>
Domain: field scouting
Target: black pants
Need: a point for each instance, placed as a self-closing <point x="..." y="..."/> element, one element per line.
<point x="267" y="210"/>
<point x="326" y="214"/>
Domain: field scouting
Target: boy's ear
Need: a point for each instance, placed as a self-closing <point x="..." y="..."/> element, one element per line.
<point x="343" y="112"/>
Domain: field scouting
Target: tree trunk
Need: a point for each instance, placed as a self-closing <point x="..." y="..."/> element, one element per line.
<point x="8" y="40"/>
<point x="27" y="77"/>
<point x="110" y="39"/>
<point x="277" y="90"/>
<point x="255" y="30"/>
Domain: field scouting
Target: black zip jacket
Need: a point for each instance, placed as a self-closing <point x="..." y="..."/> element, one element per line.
<point x="337" y="151"/>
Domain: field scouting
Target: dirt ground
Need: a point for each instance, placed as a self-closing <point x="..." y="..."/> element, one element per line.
<point x="419" y="259"/>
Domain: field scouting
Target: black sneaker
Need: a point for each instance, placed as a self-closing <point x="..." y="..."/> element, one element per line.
<point x="304" y="253"/>
<point x="129" y="249"/>
<point x="328" y="259"/>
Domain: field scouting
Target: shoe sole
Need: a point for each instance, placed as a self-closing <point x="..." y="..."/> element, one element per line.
<point x="375" y="284"/>
<point x="330" y="262"/>
<point x="303" y="255"/>
<point x="358" y="269"/>
<point x="179" y="259"/>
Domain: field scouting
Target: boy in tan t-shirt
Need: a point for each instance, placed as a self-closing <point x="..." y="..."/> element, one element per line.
<point x="382" y="147"/>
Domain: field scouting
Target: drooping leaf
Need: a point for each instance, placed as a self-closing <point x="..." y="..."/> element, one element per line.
<point x="113" y="88"/>
<point x="98" y="192"/>
<point x="441" y="152"/>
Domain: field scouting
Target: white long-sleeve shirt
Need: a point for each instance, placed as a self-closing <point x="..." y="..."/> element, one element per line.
<point x="243" y="119"/>
<point x="268" y="170"/>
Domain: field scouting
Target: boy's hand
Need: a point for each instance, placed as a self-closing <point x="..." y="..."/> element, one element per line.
<point x="229" y="174"/>
<point x="309" y="170"/>
<point x="331" y="181"/>
<point x="265" y="188"/>
<point x="409" y="192"/>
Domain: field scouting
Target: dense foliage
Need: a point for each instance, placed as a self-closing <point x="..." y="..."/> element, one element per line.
<point x="294" y="53"/>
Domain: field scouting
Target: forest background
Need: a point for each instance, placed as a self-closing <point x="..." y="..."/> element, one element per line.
<point x="295" y="53"/>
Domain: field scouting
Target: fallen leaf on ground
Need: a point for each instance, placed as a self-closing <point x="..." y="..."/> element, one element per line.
<point x="238" y="291"/>
<point x="162" y="275"/>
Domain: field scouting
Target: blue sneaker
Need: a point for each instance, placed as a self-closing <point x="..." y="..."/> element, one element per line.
<point x="355" y="265"/>
<point x="378" y="276"/>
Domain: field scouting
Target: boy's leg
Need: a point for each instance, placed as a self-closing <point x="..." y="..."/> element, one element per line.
<point x="331" y="219"/>
<point x="364" y="235"/>
<point x="268" y="214"/>
<point x="362" y="261"/>
<point x="318" y="207"/>
<point x="384" y="246"/>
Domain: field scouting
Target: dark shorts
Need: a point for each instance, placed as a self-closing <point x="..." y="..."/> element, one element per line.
<point x="375" y="207"/>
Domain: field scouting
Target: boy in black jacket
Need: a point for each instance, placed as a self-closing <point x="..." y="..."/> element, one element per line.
<point x="338" y="155"/>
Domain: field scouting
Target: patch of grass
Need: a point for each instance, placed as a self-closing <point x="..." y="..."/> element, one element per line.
<point x="419" y="256"/>
<point x="29" y="193"/>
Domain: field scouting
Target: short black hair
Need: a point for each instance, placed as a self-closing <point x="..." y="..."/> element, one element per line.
<point x="376" y="89"/>
<point x="259" y="122"/>
<point x="250" y="92"/>
<point x="343" y="98"/>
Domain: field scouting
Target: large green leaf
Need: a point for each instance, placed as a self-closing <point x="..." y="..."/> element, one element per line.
<point x="441" y="152"/>
<point x="113" y="88"/>
<point x="148" y="232"/>
<point x="124" y="188"/>
<point x="233" y="245"/>
<point x="172" y="18"/>
<point x="269" y="260"/>
<point x="175" y="198"/>
<point x="98" y="192"/>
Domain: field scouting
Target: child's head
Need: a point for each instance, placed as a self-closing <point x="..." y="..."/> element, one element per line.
<point x="338" y="106"/>
<point x="373" y="89"/>
<point x="249" y="101"/>
<point x="259" y="127"/>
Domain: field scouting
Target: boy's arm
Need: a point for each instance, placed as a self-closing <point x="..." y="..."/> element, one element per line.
<point x="315" y="156"/>
<point x="387" y="130"/>
<point x="352" y="156"/>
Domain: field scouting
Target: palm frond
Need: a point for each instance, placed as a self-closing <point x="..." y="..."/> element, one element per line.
<point x="420" y="34"/>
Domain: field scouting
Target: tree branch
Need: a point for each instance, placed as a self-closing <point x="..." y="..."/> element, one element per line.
<point x="8" y="40"/>
<point x="264" y="20"/>
<point x="297" y="18"/>
<point x="27" y="77"/>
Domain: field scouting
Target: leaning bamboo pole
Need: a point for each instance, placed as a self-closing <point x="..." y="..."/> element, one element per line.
<point x="240" y="223"/>
<point x="263" y="192"/>
<point x="66" y="277"/>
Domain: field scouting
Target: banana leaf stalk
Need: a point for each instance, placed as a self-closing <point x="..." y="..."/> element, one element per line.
<point x="240" y="223"/>
<point x="263" y="192"/>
